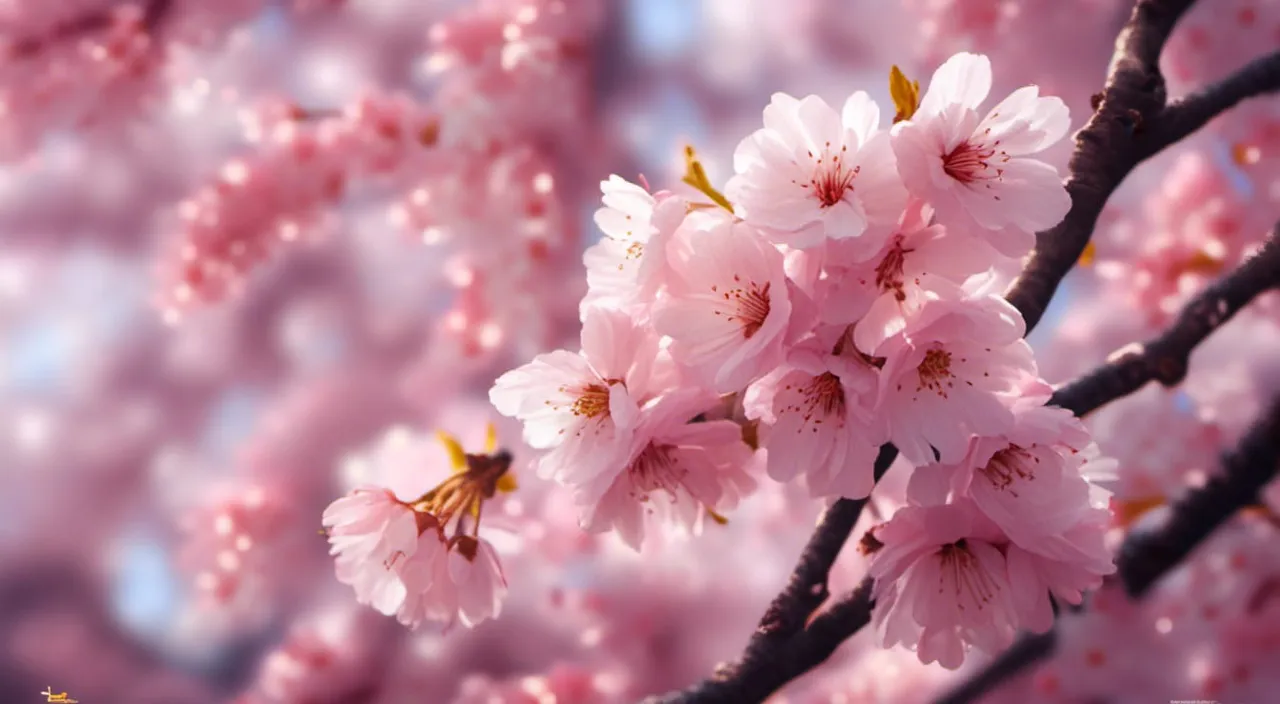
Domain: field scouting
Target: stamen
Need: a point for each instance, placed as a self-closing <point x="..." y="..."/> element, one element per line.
<point x="935" y="372"/>
<point x="889" y="272"/>
<point x="1009" y="465"/>
<point x="971" y="162"/>
<point x="656" y="469"/>
<point x="824" y="392"/>
<point x="960" y="567"/>
<point x="592" y="400"/>
<point x="832" y="177"/>
<point x="752" y="306"/>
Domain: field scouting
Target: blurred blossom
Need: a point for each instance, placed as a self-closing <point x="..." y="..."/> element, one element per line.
<point x="256" y="255"/>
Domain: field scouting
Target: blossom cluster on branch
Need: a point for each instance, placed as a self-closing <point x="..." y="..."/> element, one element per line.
<point x="837" y="296"/>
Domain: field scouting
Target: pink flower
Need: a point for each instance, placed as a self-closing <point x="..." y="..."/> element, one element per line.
<point x="429" y="593"/>
<point x="951" y="375"/>
<point x="458" y="580"/>
<point x="976" y="171"/>
<point x="727" y="304"/>
<point x="941" y="584"/>
<point x="1027" y="480"/>
<point x="881" y="290"/>
<point x="584" y="406"/>
<point x="817" y="417"/>
<point x="1035" y="483"/>
<point x="627" y="266"/>
<point x="677" y="472"/>
<point x="1034" y="577"/>
<point x="477" y="580"/>
<point x="813" y="173"/>
<point x="372" y="532"/>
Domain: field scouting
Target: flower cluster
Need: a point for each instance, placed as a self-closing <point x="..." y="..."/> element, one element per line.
<point x="90" y="65"/>
<point x="424" y="560"/>
<point x="837" y="296"/>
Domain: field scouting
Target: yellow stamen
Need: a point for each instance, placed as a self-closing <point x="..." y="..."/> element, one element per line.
<point x="696" y="176"/>
<point x="490" y="439"/>
<point x="507" y="483"/>
<point x="718" y="518"/>
<point x="905" y="94"/>
<point x="457" y="457"/>
<point x="1088" y="256"/>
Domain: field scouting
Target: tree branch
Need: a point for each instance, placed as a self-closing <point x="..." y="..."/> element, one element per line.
<point x="1147" y="556"/>
<point x="1165" y="357"/>
<point x="1185" y="116"/>
<point x="783" y="648"/>
<point x="1115" y="139"/>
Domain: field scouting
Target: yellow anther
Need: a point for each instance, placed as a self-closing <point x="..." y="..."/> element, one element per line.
<point x="457" y="457"/>
<point x="696" y="176"/>
<point x="507" y="483"/>
<point x="490" y="439"/>
<point x="905" y="94"/>
<point x="1088" y="256"/>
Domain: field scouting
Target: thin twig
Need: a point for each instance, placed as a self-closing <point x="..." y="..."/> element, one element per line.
<point x="1165" y="357"/>
<point x="1147" y="555"/>
<point x="1184" y="117"/>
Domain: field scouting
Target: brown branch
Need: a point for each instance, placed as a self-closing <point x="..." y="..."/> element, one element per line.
<point x="1185" y="116"/>
<point x="1165" y="357"/>
<point x="1131" y="123"/>
<point x="1148" y="555"/>
<point x="783" y="648"/>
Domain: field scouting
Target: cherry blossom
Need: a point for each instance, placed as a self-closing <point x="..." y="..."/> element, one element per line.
<point x="728" y="303"/>
<point x="678" y="472"/>
<point x="817" y="414"/>
<point x="918" y="262"/>
<point x="813" y="173"/>
<point x="585" y="405"/>
<point x="626" y="267"/>
<point x="977" y="172"/>
<point x="372" y="533"/>
<point x="942" y="584"/>
<point x="953" y="374"/>
<point x="1027" y="480"/>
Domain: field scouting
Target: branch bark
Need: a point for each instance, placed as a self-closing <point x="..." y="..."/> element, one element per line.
<point x="1131" y="123"/>
<point x="1165" y="357"/>
<point x="1184" y="117"/>
<point x="786" y="643"/>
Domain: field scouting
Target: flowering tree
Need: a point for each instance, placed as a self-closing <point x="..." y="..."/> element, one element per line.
<point x="537" y="483"/>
